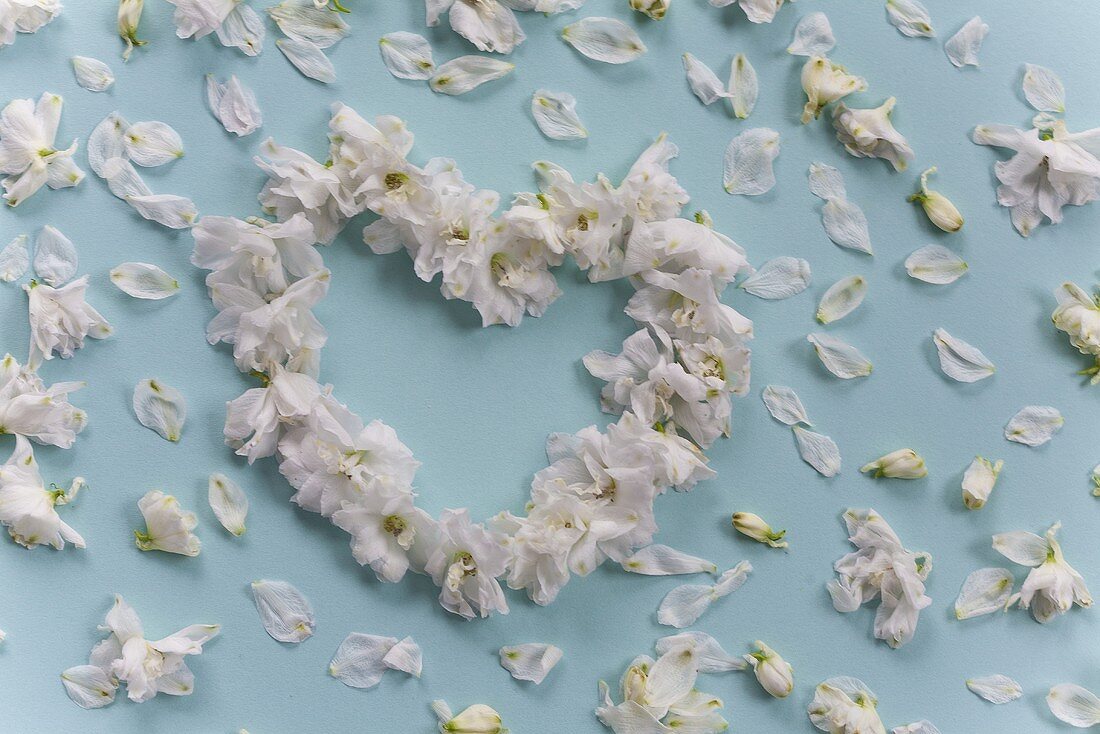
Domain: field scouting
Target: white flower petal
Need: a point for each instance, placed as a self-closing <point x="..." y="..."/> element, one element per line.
<point x="407" y="55"/>
<point x="985" y="591"/>
<point x="660" y="560"/>
<point x="89" y="686"/>
<point x="743" y="87"/>
<point x="106" y="142"/>
<point x="780" y="277"/>
<point x="160" y="408"/>
<point x="1043" y="89"/>
<point x="556" y="115"/>
<point x="15" y="259"/>
<point x="123" y="179"/>
<point x="919" y="727"/>
<point x="819" y="451"/>
<point x="234" y="105"/>
<point x="840" y="358"/>
<point x="176" y="212"/>
<point x="683" y="605"/>
<point x="843" y="297"/>
<point x="813" y="36"/>
<point x="285" y="613"/>
<point x="142" y="280"/>
<point x="959" y="360"/>
<point x="995" y="688"/>
<point x="748" y="162"/>
<point x="55" y="257"/>
<point x="152" y="143"/>
<point x="358" y="662"/>
<point x="531" y="661"/>
<point x="963" y="47"/>
<point x="846" y="225"/>
<point x="784" y="405"/>
<point x="167" y="527"/>
<point x="303" y="21"/>
<point x="709" y="655"/>
<point x="826" y="182"/>
<point x="229" y="503"/>
<point x="243" y="29"/>
<point x="604" y="39"/>
<point x="92" y="74"/>
<point x="465" y="73"/>
<point x="1034" y="425"/>
<point x="1074" y="705"/>
<point x="704" y="83"/>
<point x="910" y="17"/>
<point x="935" y="264"/>
<point x="406" y="656"/>
<point x="1022" y="547"/>
<point x="308" y="58"/>
<point x="978" y="481"/>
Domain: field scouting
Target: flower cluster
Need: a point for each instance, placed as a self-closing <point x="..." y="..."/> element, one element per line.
<point x="25" y="16"/>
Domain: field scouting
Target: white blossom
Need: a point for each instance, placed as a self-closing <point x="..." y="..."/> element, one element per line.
<point x="27" y="152"/>
<point x="939" y="209"/>
<point x="1078" y="315"/>
<point x="476" y="719"/>
<point x="753" y="526"/>
<point x="129" y="17"/>
<point x="465" y="565"/>
<point x="167" y="527"/>
<point x="55" y="258"/>
<point x="61" y="319"/>
<point x="28" y="407"/>
<point x="978" y="481"/>
<point x="825" y="82"/>
<point x="27" y="507"/>
<point x="1052" y="586"/>
<point x="868" y="133"/>
<point x="25" y="16"/>
<point x="910" y="17"/>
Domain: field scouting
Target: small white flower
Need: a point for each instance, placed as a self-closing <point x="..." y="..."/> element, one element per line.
<point x="1052" y="586"/>
<point x="532" y="661"/>
<point x="142" y="280"/>
<point x="985" y="591"/>
<point x="660" y="560"/>
<point x="1078" y="315"/>
<point x="229" y="503"/>
<point x="682" y="606"/>
<point x="129" y="17"/>
<point x="900" y="464"/>
<point x="941" y="212"/>
<point x="813" y="36"/>
<point x="1074" y="705"/>
<point x="819" y="451"/>
<point x="963" y="47"/>
<point x="780" y="277"/>
<point x="604" y="39"/>
<point x="234" y="105"/>
<point x="285" y="613"/>
<point x="167" y="527"/>
<point x="160" y="408"/>
<point x="27" y="152"/>
<point x="407" y="55"/>
<point x="27" y="507"/>
<point x="465" y="565"/>
<point x="840" y="358"/>
<point x="978" y="481"/>
<point x="757" y="11"/>
<point x="843" y="297"/>
<point x="466" y="73"/>
<point x="754" y="527"/>
<point x="935" y="264"/>
<point x="61" y="319"/>
<point x="25" y="16"/>
<point x="92" y="74"/>
<point x="556" y="115"/>
<point x="910" y="17"/>
<point x="748" y="162"/>
<point x="868" y="133"/>
<point x="825" y="82"/>
<point x="845" y="706"/>
<point x="743" y="87"/>
<point x="995" y="688"/>
<point x="1034" y="425"/>
<point x="29" y="408"/>
<point x="775" y="675"/>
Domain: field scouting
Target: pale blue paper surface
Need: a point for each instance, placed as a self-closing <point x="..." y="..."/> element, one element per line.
<point x="476" y="405"/>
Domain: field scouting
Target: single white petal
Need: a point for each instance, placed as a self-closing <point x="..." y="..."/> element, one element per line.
<point x="743" y="87"/>
<point x="308" y="58"/>
<point x="780" y="277"/>
<point x="840" y="358"/>
<point x="995" y="688"/>
<point x="152" y="143"/>
<point x="910" y="17"/>
<point x="1043" y="89"/>
<point x="176" y="212"/>
<point x="919" y="727"/>
<point x="935" y="264"/>
<point x="709" y="655"/>
<point x="813" y="36"/>
<point x="123" y="179"/>
<point x="959" y="360"/>
<point x="531" y="661"/>
<point x="1074" y="705"/>
<point x="846" y="225"/>
<point x="303" y="21"/>
<point x="683" y="605"/>
<point x="285" y="613"/>
<point x="556" y="115"/>
<point x="407" y="55"/>
<point x="748" y="163"/>
<point x="604" y="39"/>
<point x="1022" y="547"/>
<point x="843" y="297"/>
<point x="406" y="656"/>
<point x="160" y="408"/>
<point x="92" y="74"/>
<point x="229" y="503"/>
<point x="784" y="405"/>
<point x="704" y="83"/>
<point x="963" y="47"/>
<point x="660" y="560"/>
<point x="1034" y="425"/>
<point x="142" y="280"/>
<point x="15" y="259"/>
<point x="985" y="591"/>
<point x="55" y="257"/>
<point x="465" y="73"/>
<point x="89" y="686"/>
<point x="818" y="451"/>
<point x="358" y="662"/>
<point x="107" y="142"/>
<point x="826" y="182"/>
<point x="243" y="29"/>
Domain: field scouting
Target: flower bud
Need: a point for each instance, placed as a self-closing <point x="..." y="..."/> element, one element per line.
<point x="477" y="719"/>
<point x="900" y="464"/>
<point x="655" y="9"/>
<point x="774" y="674"/>
<point x="754" y="527"/>
<point x="129" y="16"/>
<point x="941" y="212"/>
<point x="978" y="481"/>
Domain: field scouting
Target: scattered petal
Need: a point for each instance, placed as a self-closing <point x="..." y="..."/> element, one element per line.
<point x="123" y="179"/>
<point x="107" y="142"/>
<point x="15" y="259"/>
<point x="531" y="661"/>
<point x="1074" y="705"/>
<point x="1034" y="425"/>
<point x="465" y="73"/>
<point x="784" y="405"/>
<point x="243" y="29"/>
<point x="743" y="87"/>
<point x="843" y="297"/>
<point x="234" y="105"/>
<point x="910" y="17"/>
<point x="780" y="277"/>
<point x="55" y="257"/>
<point x="818" y="451"/>
<point x="683" y="605"/>
<point x="406" y="657"/>
<point x="704" y="83"/>
<point x="985" y="591"/>
<point x="407" y="55"/>
<point x="840" y="358"/>
<point x="846" y="225"/>
<point x="556" y="115"/>
<point x="229" y="503"/>
<point x="359" y="661"/>
<point x="826" y="182"/>
<point x="995" y="688"/>
<point x="303" y="21"/>
<point x="604" y="39"/>
<point x="92" y="74"/>
<point x="160" y="408"/>
<point x="963" y="47"/>
<point x="935" y="264"/>
<point x="89" y="686"/>
<point x="152" y="143"/>
<point x="285" y="613"/>
<point x="1043" y="89"/>
<point x="959" y="360"/>
<point x="142" y="280"/>
<point x="813" y="36"/>
<point x="660" y="560"/>
<point x="748" y="164"/>
<point x="709" y="655"/>
<point x="176" y="212"/>
<point x="308" y="58"/>
<point x="920" y="727"/>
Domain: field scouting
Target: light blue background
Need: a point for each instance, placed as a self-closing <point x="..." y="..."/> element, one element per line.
<point x="475" y="405"/>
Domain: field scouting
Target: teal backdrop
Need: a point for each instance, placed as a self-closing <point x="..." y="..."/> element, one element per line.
<point x="475" y="405"/>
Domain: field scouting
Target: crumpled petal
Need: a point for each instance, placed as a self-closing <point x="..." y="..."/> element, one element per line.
<point x="846" y="225"/>
<point x="935" y="264"/>
<point x="995" y="688"/>
<point x="407" y="55"/>
<point x="1034" y="425"/>
<point x="813" y="36"/>
<point x="308" y="58"/>
<point x="152" y="143"/>
<point x="243" y="29"/>
<point x="840" y="358"/>
<point x="466" y="73"/>
<point x="819" y="451"/>
<point x="661" y="560"/>
<point x="92" y="74"/>
<point x="963" y="47"/>
<point x="709" y="655"/>
<point x="160" y="408"/>
<point x="683" y="605"/>
<point x="843" y="297"/>
<point x="604" y="39"/>
<point x="15" y="259"/>
<point x="556" y="115"/>
<point x="985" y="591"/>
<point x="107" y="142"/>
<point x="142" y="280"/>
<point x="959" y="360"/>
<point x="406" y="656"/>
<point x="910" y="17"/>
<point x="89" y="686"/>
<point x="1074" y="705"/>
<point x="285" y="613"/>
<point x="531" y="661"/>
<point x="784" y="405"/>
<point x="704" y="83"/>
<point x="1043" y="89"/>
<point x="229" y="503"/>
<point x="358" y="662"/>
<point x="748" y="162"/>
<point x="780" y="277"/>
<point x="743" y="87"/>
<point x="55" y="258"/>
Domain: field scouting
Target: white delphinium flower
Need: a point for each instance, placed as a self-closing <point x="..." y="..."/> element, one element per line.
<point x="28" y="407"/>
<point x="129" y="17"/>
<point x="753" y="526"/>
<point x="167" y="527"/>
<point x="1078" y="315"/>
<point x="465" y="565"/>
<point x="649" y="191"/>
<point x="978" y="481"/>
<point x="825" y="82"/>
<point x="256" y="420"/>
<point x="27" y="507"/>
<point x="389" y="533"/>
<point x="845" y="706"/>
<point x="297" y="183"/>
<point x="881" y="567"/>
<point x="256" y="254"/>
<point x="900" y="464"/>
<point x="868" y="133"/>
<point x="686" y="305"/>
<point x="674" y="245"/>
<point x="775" y="675"/>
<point x="1052" y="168"/>
<point x="61" y="319"/>
<point x="148" y="667"/>
<point x="27" y="152"/>
<point x="25" y="16"/>
<point x="673" y="460"/>
<point x="1052" y="586"/>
